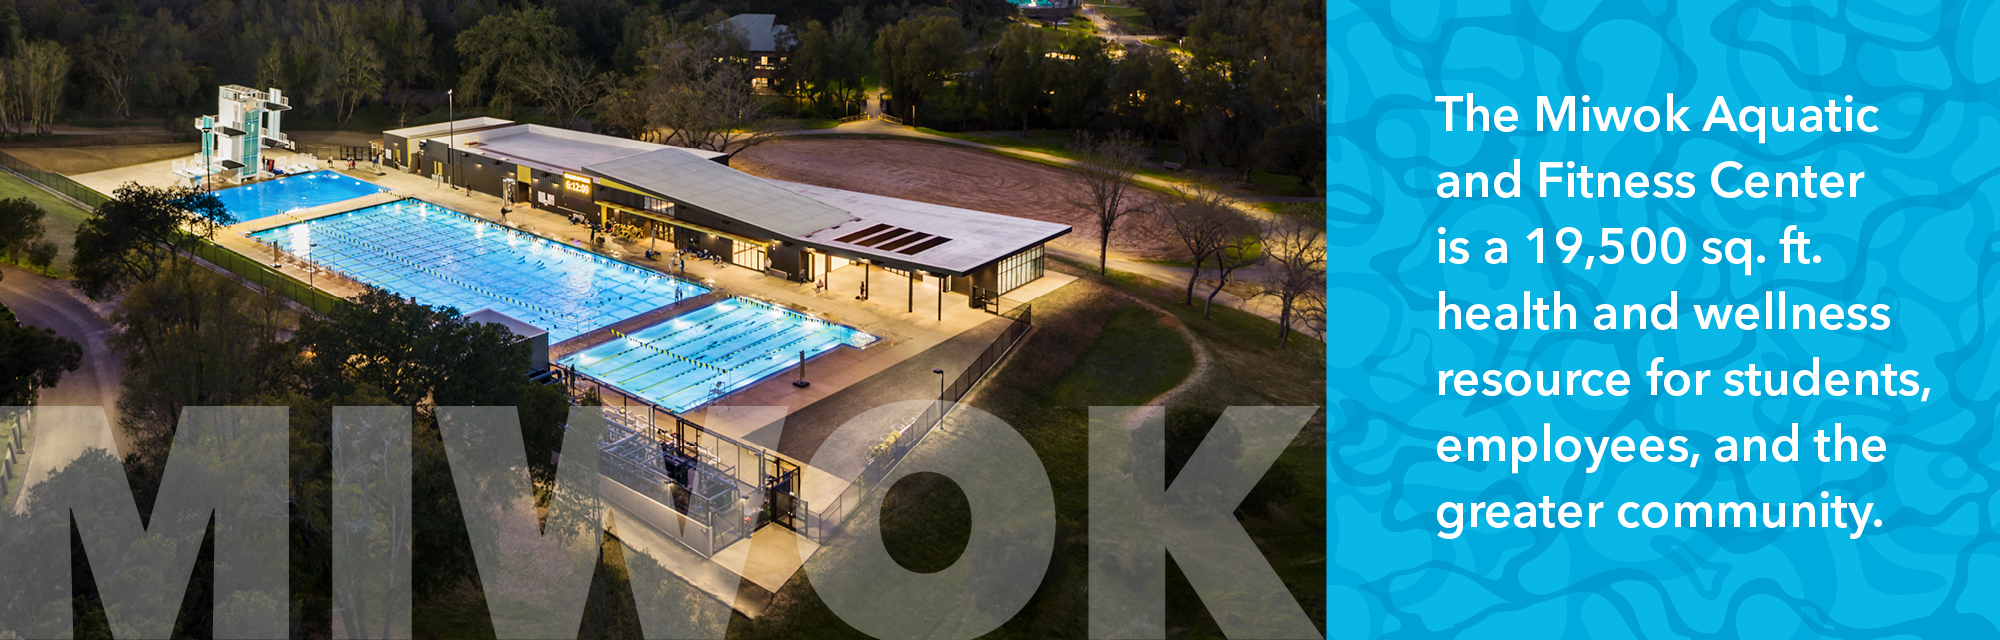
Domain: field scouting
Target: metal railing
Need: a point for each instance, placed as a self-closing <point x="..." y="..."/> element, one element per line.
<point x="748" y="466"/>
<point x="245" y="269"/>
<point x="251" y="271"/>
<point x="823" y="524"/>
<point x="60" y="183"/>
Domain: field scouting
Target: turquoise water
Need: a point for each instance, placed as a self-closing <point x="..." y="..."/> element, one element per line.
<point x="443" y="258"/>
<point x="691" y="360"/>
<point x="271" y="197"/>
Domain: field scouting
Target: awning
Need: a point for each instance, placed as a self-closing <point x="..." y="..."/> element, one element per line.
<point x="228" y="131"/>
<point x="231" y="164"/>
<point x="685" y="225"/>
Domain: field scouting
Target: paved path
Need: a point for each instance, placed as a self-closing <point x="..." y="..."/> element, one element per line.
<point x="54" y="305"/>
<point x="1178" y="277"/>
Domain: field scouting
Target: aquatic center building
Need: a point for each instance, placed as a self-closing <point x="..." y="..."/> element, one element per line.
<point x="679" y="198"/>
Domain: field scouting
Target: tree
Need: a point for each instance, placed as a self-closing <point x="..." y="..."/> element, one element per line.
<point x="980" y="13"/>
<point x="501" y="48"/>
<point x="31" y="84"/>
<point x="404" y="39"/>
<point x="623" y="106"/>
<point x="20" y="226"/>
<point x="917" y="55"/>
<point x="1202" y="219"/>
<point x="700" y="92"/>
<point x="111" y="54"/>
<point x="350" y="70"/>
<point x="829" y="64"/>
<point x="1019" y="80"/>
<point x="31" y="359"/>
<point x="169" y="73"/>
<point x="1145" y="92"/>
<point x="1296" y="245"/>
<point x="129" y="237"/>
<point x="1076" y="79"/>
<point x="566" y="85"/>
<point x="41" y="255"/>
<point x="1240" y="250"/>
<point x="1107" y="164"/>
<point x="189" y="338"/>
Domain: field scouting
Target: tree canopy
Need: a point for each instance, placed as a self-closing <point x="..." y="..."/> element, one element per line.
<point x="137" y="231"/>
<point x="31" y="359"/>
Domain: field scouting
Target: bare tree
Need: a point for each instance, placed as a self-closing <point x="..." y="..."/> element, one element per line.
<point x="566" y="85"/>
<point x="1202" y="219"/>
<point x="43" y="69"/>
<point x="1107" y="165"/>
<point x="350" y="70"/>
<point x="1239" y="249"/>
<point x="700" y="94"/>
<point x="1296" y="246"/>
<point x="111" y="57"/>
<point x="623" y="105"/>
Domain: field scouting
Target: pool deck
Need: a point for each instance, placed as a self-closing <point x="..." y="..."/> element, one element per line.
<point x="276" y="220"/>
<point x="919" y="329"/>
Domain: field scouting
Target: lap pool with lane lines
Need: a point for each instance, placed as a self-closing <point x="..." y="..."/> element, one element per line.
<point x="443" y="258"/>
<point x="691" y="360"/>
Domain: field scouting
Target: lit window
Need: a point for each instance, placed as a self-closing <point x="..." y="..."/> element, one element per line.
<point x="659" y="206"/>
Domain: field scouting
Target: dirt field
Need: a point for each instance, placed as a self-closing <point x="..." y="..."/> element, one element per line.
<point x="81" y="160"/>
<point x="963" y="178"/>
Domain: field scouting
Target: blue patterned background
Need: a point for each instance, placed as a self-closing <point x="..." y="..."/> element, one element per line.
<point x="1920" y="237"/>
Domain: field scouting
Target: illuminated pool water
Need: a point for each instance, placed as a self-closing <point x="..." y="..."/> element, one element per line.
<point x="443" y="258"/>
<point x="692" y="359"/>
<point x="259" y="200"/>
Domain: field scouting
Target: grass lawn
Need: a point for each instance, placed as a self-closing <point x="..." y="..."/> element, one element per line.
<point x="1280" y="185"/>
<point x="816" y="123"/>
<point x="1094" y="346"/>
<point x="61" y="222"/>
<point x="1129" y="19"/>
<point x="1169" y="45"/>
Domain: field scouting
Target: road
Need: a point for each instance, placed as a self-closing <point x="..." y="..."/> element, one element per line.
<point x="55" y="305"/>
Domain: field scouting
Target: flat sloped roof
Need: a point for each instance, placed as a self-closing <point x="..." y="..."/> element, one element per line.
<point x="677" y="174"/>
<point x="944" y="238"/>
<point x="556" y="149"/>
<point x="427" y="130"/>
<point x="520" y="328"/>
<point x="758" y="30"/>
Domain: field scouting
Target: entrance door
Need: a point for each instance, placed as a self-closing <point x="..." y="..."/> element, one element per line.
<point x="749" y="255"/>
<point x="781" y="495"/>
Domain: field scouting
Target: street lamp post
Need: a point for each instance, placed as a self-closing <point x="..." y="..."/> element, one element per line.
<point x="207" y="140"/>
<point x="451" y="129"/>
<point x="940" y="400"/>
<point x="311" y="272"/>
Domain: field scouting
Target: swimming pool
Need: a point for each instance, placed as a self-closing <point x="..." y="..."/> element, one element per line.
<point x="443" y="258"/>
<point x="693" y="359"/>
<point x="259" y="200"/>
